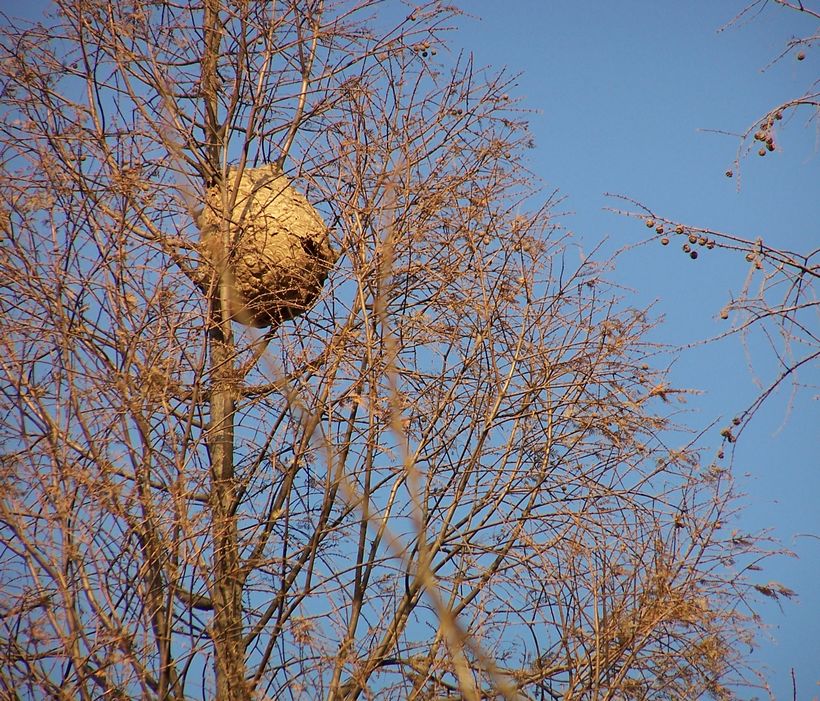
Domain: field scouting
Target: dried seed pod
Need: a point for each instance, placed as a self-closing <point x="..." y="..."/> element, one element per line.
<point x="280" y="254"/>
<point x="750" y="257"/>
<point x="664" y="241"/>
<point x="693" y="238"/>
<point x="659" y="229"/>
<point x="678" y="229"/>
<point x="702" y="241"/>
<point x="693" y="254"/>
<point x="728" y="435"/>
<point x="729" y="173"/>
<point x="686" y="248"/>
<point x="650" y="223"/>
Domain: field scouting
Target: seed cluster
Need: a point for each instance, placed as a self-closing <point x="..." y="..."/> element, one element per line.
<point x="693" y="238"/>
<point x="765" y="134"/>
<point x="423" y="49"/>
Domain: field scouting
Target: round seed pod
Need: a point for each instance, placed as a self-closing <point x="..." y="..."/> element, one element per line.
<point x="278" y="251"/>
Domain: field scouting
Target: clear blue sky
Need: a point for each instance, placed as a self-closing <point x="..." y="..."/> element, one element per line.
<point x="622" y="93"/>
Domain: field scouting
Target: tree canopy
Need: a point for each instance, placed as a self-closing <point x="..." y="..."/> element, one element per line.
<point x="456" y="475"/>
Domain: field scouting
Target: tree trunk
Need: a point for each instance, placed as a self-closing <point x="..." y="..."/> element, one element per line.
<point x="227" y="583"/>
<point x="229" y="658"/>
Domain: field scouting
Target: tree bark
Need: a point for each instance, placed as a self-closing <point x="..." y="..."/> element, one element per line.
<point x="226" y="594"/>
<point x="227" y="582"/>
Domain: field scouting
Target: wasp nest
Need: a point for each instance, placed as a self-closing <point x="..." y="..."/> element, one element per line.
<point x="279" y="252"/>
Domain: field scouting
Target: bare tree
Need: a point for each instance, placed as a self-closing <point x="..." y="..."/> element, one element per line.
<point x="778" y="296"/>
<point x="453" y="474"/>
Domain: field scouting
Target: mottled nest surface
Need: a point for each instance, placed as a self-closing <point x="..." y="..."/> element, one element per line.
<point x="279" y="254"/>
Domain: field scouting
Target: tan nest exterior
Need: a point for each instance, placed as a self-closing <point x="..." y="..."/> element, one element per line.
<point x="279" y="254"/>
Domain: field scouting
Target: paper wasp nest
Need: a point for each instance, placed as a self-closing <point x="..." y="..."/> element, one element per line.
<point x="280" y="252"/>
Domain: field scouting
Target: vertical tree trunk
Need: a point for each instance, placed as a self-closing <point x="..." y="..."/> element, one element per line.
<point x="229" y="658"/>
<point x="227" y="582"/>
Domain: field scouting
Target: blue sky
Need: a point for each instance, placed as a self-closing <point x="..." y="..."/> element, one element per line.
<point x="623" y="94"/>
